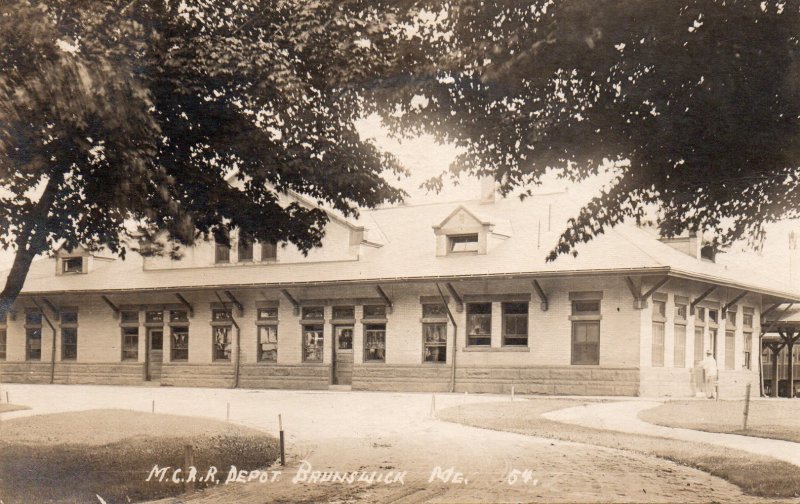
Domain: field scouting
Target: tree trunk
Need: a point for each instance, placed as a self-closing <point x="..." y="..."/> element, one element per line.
<point x="30" y="241"/>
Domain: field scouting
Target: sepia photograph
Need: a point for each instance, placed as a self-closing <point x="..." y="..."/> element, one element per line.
<point x="399" y="251"/>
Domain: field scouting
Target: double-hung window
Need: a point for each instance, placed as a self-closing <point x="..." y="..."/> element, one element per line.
<point x="515" y="324"/>
<point x="267" y="328"/>
<point x="659" y="319"/>
<point x="585" y="328"/>
<point x="479" y="324"/>
<point x="221" y="329"/>
<point x="69" y="334"/>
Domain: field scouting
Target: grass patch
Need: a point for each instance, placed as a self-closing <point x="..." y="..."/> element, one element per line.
<point x="755" y="475"/>
<point x="776" y="419"/>
<point x="5" y="407"/>
<point x="70" y="457"/>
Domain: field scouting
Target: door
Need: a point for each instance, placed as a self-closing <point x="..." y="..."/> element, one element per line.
<point x="343" y="355"/>
<point x="155" y="353"/>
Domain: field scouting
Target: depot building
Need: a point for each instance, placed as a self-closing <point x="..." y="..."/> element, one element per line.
<point x="454" y="296"/>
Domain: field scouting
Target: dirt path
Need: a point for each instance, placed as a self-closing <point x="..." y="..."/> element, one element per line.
<point x="383" y="432"/>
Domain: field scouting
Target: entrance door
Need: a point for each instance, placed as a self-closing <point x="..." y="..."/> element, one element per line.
<point x="155" y="349"/>
<point x="343" y="355"/>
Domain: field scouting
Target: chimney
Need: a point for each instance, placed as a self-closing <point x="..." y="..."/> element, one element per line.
<point x="487" y="189"/>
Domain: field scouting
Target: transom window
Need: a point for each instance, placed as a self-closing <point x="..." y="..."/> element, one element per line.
<point x="154" y="317"/>
<point x="479" y="324"/>
<point x="515" y="324"/>
<point x="747" y="319"/>
<point x="463" y="243"/>
<point x="178" y="316"/>
<point x="69" y="317"/>
<point x="586" y="307"/>
<point x="375" y="311"/>
<point x="713" y="316"/>
<point x="375" y="342"/>
<point x="267" y="313"/>
<point x="344" y="312"/>
<point x="313" y="312"/>
<point x="680" y="311"/>
<point x="659" y="309"/>
<point x="220" y="315"/>
<point x="129" y="317"/>
<point x="434" y="310"/>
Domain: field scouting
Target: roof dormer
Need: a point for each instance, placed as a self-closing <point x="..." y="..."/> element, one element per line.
<point x="74" y="262"/>
<point x="462" y="233"/>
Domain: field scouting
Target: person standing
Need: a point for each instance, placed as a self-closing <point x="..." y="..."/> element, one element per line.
<point x="710" y="373"/>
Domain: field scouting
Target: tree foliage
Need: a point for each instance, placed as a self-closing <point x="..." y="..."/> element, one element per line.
<point x="113" y="113"/>
<point x="696" y="101"/>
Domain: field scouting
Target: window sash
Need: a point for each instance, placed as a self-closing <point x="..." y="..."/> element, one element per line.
<point x="33" y="343"/>
<point x="586" y="343"/>
<point x="657" y="357"/>
<point x="313" y="313"/>
<point x="245" y="250"/>
<point x="129" y="317"/>
<point x="344" y="312"/>
<point x="69" y="343"/>
<point x="730" y="349"/>
<point x="72" y="265"/>
<point x="222" y="253"/>
<point x="515" y="329"/>
<point x="434" y="310"/>
<point x="748" y="345"/>
<point x="659" y="310"/>
<point x="313" y="343"/>
<point x="463" y="243"/>
<point x="479" y="324"/>
<point x="130" y="343"/>
<point x="3" y="344"/>
<point x="269" y="251"/>
<point x="154" y="317"/>
<point x="585" y="307"/>
<point x="179" y="344"/>
<point x="268" y="343"/>
<point x="375" y="342"/>
<point x="69" y="317"/>
<point x="221" y="339"/>
<point x="434" y="341"/>
<point x="374" y="311"/>
<point x="679" y="353"/>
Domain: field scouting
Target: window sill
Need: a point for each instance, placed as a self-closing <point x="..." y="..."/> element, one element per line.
<point x="496" y="349"/>
<point x="585" y="318"/>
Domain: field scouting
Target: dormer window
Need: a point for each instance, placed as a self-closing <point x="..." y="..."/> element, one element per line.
<point x="708" y="253"/>
<point x="463" y="243"/>
<point x="72" y="265"/>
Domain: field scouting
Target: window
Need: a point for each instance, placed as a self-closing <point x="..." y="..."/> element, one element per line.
<point x="747" y="319"/>
<point x="657" y="359"/>
<point x="434" y="310"/>
<point x="748" y="345"/>
<point x="221" y="328"/>
<point x="177" y="316"/>
<point x="679" y="330"/>
<point x="3" y="344"/>
<point x="154" y="317"/>
<point x="586" y="307"/>
<point x="479" y="324"/>
<point x="269" y="252"/>
<point x="375" y="342"/>
<point x="585" y="329"/>
<point x="708" y="253"/>
<point x="267" y="313"/>
<point x="268" y="343"/>
<point x="515" y="324"/>
<point x="179" y="348"/>
<point x="374" y="311"/>
<point x="69" y="343"/>
<point x="33" y="335"/>
<point x="713" y="316"/>
<point x="434" y="340"/>
<point x="344" y="312"/>
<point x="312" y="343"/>
<point x="730" y="347"/>
<point x="698" y="344"/>
<point x="701" y="314"/>
<point x="72" y="265"/>
<point x="245" y="248"/>
<point x="586" y="342"/>
<point x="463" y="243"/>
<point x="344" y="335"/>
<point x="222" y="253"/>
<point x="130" y="343"/>
<point x="679" y="354"/>
<point x="313" y="313"/>
<point x="659" y="317"/>
<point x="712" y="333"/>
<point x="222" y="343"/>
<point x="129" y="317"/>
<point x="730" y="319"/>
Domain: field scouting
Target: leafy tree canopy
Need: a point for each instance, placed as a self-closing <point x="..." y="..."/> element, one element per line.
<point x="697" y="101"/>
<point x="141" y="111"/>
